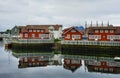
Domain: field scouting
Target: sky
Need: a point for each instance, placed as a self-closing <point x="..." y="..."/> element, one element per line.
<point x="64" y="12"/>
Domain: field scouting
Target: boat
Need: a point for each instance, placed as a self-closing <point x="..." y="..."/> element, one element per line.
<point x="117" y="58"/>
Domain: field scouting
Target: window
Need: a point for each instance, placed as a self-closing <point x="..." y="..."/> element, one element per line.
<point x="75" y="61"/>
<point x="33" y="35"/>
<point x="34" y="30"/>
<point x="30" y="30"/>
<point x="91" y="36"/>
<point x="106" y="31"/>
<point x="96" y="31"/>
<point x="94" y="36"/>
<point x="101" y="31"/>
<point x="75" y="36"/>
<point x="44" y="36"/>
<point x="38" y="30"/>
<point x="111" y="31"/>
<point x="73" y="30"/>
<point x="67" y="36"/>
<point x="42" y="30"/>
<point x="26" y="35"/>
<point x="108" y="37"/>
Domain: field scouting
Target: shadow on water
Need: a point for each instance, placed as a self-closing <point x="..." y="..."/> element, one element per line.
<point x="91" y="50"/>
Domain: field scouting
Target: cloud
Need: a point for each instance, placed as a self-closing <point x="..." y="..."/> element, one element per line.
<point x="23" y="12"/>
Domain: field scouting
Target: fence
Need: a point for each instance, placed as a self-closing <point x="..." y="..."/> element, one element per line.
<point x="101" y="43"/>
<point x="29" y="40"/>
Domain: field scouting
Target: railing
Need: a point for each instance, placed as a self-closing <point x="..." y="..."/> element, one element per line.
<point x="101" y="43"/>
<point x="29" y="41"/>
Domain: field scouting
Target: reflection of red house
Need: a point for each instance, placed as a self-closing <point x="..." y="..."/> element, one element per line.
<point x="36" y="62"/>
<point x="72" y="64"/>
<point x="103" y="66"/>
<point x="38" y="31"/>
<point x="73" y="33"/>
<point x="104" y="33"/>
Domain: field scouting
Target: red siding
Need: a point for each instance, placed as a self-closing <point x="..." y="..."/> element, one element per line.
<point x="103" y="35"/>
<point x="72" y="33"/>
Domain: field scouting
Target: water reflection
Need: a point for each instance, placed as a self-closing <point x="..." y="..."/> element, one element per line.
<point x="104" y="66"/>
<point x="33" y="63"/>
<point x="68" y="62"/>
<point x="37" y="59"/>
<point x="72" y="63"/>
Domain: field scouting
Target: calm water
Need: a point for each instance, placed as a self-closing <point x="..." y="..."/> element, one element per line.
<point x="50" y="65"/>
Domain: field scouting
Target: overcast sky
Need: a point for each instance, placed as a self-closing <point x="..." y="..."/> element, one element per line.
<point x="65" y="12"/>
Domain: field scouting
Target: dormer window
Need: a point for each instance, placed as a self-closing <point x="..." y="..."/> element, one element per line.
<point x="111" y="31"/>
<point x="101" y="31"/>
<point x="34" y="30"/>
<point x="106" y="31"/>
<point x="96" y="31"/>
<point x="73" y="30"/>
<point x="51" y="28"/>
<point x="30" y="30"/>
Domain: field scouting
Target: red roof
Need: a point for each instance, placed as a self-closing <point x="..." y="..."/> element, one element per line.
<point x="116" y="28"/>
<point x="45" y="27"/>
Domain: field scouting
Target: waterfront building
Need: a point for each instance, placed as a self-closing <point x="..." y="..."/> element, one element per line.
<point x="37" y="31"/>
<point x="103" y="33"/>
<point x="16" y="30"/>
<point x="73" y="33"/>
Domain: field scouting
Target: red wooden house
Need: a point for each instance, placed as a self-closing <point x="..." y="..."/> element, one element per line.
<point x="39" y="31"/>
<point x="104" y="33"/>
<point x="73" y="33"/>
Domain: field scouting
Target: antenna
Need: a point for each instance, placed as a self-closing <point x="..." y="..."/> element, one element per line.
<point x="91" y="23"/>
<point x="85" y="24"/>
<point x="102" y="24"/>
<point x="97" y="23"/>
<point x="108" y="23"/>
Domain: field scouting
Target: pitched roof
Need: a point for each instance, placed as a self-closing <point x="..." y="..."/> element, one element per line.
<point x="56" y="27"/>
<point x="45" y="27"/>
<point x="79" y="29"/>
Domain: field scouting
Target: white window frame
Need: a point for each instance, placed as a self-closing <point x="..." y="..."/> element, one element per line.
<point x="94" y="36"/>
<point x="101" y="31"/>
<point x="111" y="31"/>
<point x="42" y="30"/>
<point x="30" y="30"/>
<point x="38" y="30"/>
<point x="34" y="30"/>
<point x="96" y="31"/>
<point x="106" y="31"/>
<point x="67" y="36"/>
<point x="33" y="35"/>
<point x="73" y="30"/>
<point x="26" y="35"/>
<point x="76" y="36"/>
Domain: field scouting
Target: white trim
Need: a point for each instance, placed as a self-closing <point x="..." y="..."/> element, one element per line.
<point x="71" y="29"/>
